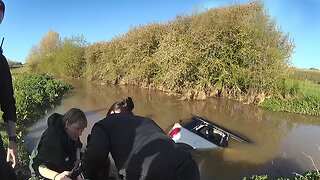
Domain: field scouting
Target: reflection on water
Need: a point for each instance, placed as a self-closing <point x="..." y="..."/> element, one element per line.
<point x="281" y="141"/>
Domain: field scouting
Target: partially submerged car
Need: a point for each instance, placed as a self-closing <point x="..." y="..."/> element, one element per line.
<point x="200" y="133"/>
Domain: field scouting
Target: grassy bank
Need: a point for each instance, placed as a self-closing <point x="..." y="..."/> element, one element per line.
<point x="303" y="94"/>
<point x="34" y="94"/>
<point x="19" y="69"/>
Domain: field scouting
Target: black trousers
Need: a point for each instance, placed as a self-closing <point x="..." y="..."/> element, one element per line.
<point x="6" y="171"/>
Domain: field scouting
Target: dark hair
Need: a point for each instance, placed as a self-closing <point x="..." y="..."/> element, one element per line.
<point x="2" y="7"/>
<point x="125" y="106"/>
<point x="75" y="115"/>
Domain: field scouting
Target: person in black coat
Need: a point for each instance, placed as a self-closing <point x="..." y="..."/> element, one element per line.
<point x="139" y="147"/>
<point x="59" y="147"/>
<point x="8" y="107"/>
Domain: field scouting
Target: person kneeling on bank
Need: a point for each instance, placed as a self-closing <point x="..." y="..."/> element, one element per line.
<point x="59" y="146"/>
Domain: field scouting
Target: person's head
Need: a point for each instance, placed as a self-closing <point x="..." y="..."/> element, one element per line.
<point x="2" y="9"/>
<point x="124" y="106"/>
<point x="75" y="122"/>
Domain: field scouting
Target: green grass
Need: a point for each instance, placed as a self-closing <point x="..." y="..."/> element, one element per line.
<point x="310" y="89"/>
<point x="300" y="94"/>
<point x="306" y="87"/>
<point x="306" y="75"/>
<point x="20" y="69"/>
<point x="308" y="80"/>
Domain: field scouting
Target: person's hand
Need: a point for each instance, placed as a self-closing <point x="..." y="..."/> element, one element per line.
<point x="12" y="154"/>
<point x="63" y="176"/>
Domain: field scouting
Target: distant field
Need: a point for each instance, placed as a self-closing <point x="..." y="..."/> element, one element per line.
<point x="19" y="69"/>
<point x="306" y="75"/>
<point x="308" y="80"/>
<point x="309" y="88"/>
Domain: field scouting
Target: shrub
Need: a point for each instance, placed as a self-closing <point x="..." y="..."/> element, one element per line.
<point x="36" y="93"/>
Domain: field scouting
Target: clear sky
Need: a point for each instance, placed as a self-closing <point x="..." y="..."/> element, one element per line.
<point x="27" y="21"/>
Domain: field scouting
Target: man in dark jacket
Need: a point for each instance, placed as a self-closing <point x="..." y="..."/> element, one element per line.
<point x="7" y="103"/>
<point x="140" y="149"/>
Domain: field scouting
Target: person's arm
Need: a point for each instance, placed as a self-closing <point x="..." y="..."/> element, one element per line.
<point x="8" y="103"/>
<point x="12" y="153"/>
<point x="50" y="174"/>
<point x="97" y="149"/>
<point x="8" y="106"/>
<point x="50" y="152"/>
<point x="11" y="128"/>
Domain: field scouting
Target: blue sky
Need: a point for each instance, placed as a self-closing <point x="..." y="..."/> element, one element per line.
<point x="27" y="21"/>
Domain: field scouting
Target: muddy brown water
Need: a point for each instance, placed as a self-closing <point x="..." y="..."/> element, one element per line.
<point x="283" y="143"/>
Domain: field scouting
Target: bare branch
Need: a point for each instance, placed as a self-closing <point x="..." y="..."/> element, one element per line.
<point x="314" y="165"/>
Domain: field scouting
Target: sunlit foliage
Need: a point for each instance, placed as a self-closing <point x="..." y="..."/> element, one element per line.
<point x="236" y="52"/>
<point x="56" y="57"/>
<point x="35" y="94"/>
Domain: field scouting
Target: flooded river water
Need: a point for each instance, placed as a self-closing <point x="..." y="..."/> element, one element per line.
<point x="283" y="143"/>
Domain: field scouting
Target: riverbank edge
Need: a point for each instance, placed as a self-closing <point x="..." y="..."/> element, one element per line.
<point x="60" y="90"/>
<point x="297" y="103"/>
